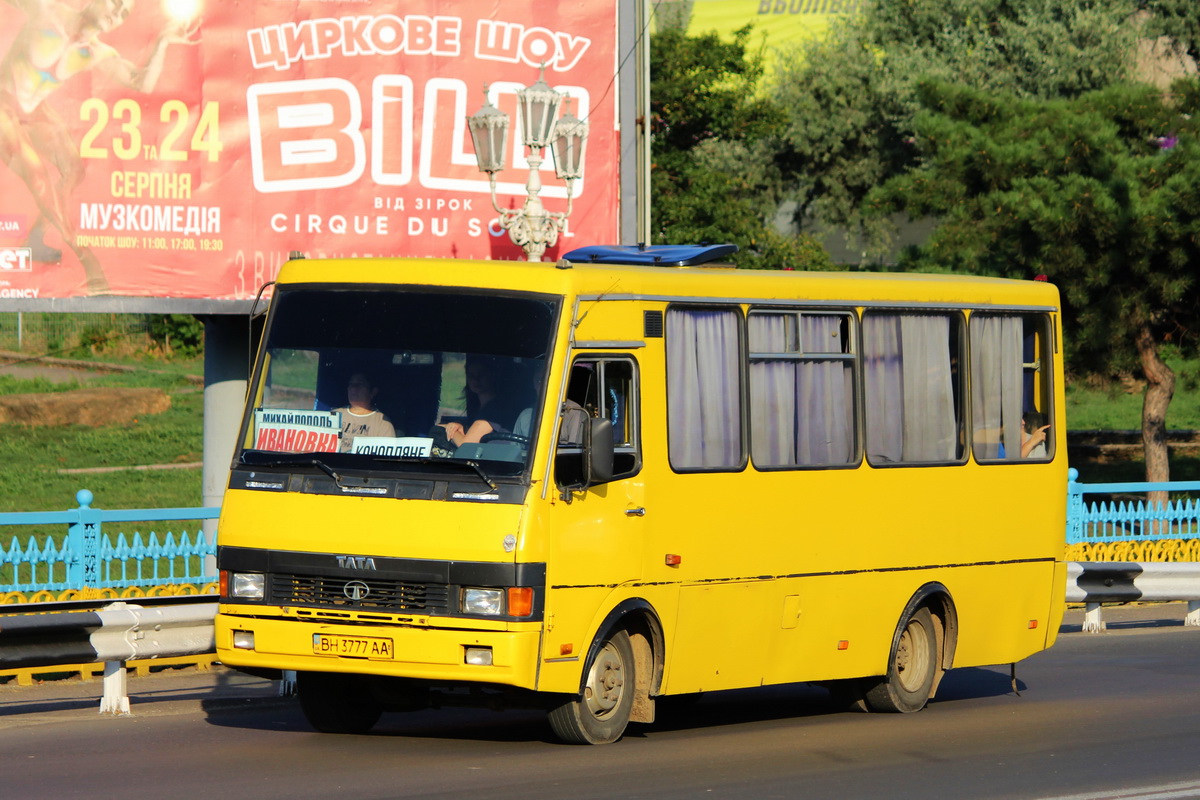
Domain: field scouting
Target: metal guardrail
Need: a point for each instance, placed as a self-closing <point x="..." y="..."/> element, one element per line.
<point x="114" y="634"/>
<point x="122" y="631"/>
<point x="1097" y="582"/>
<point x="87" y="557"/>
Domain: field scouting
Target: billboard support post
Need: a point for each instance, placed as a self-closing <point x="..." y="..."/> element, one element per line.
<point x="633" y="87"/>
<point x="226" y="374"/>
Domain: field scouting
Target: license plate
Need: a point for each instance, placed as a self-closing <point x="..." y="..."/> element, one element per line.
<point x="326" y="644"/>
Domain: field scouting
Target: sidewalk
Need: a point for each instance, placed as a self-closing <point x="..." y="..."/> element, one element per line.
<point x="1129" y="618"/>
<point x="171" y="691"/>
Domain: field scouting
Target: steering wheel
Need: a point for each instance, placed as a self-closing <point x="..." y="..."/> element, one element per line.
<point x="504" y="436"/>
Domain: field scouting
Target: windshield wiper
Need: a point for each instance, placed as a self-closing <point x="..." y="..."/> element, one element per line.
<point x="291" y="461"/>
<point x="441" y="462"/>
<point x="483" y="475"/>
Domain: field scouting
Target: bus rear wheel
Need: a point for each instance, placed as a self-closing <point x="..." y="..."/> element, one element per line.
<point x="337" y="703"/>
<point x="601" y="713"/>
<point x="911" y="668"/>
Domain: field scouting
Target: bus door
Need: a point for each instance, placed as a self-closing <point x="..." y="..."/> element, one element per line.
<point x="598" y="529"/>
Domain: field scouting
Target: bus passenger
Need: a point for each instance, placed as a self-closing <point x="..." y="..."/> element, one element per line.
<point x="490" y="406"/>
<point x="570" y="432"/>
<point x="1033" y="435"/>
<point x="360" y="417"/>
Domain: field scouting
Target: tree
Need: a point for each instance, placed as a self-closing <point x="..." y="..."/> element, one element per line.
<point x="851" y="97"/>
<point x="714" y="176"/>
<point x="1178" y="21"/>
<point x="1101" y="193"/>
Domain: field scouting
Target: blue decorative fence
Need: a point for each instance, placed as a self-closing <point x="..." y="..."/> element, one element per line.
<point x="1129" y="520"/>
<point x="89" y="558"/>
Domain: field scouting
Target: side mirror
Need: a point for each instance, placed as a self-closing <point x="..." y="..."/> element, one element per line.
<point x="598" y="451"/>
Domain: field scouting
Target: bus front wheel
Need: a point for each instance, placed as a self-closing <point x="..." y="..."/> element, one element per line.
<point x="911" y="668"/>
<point x="601" y="713"/>
<point x="337" y="703"/>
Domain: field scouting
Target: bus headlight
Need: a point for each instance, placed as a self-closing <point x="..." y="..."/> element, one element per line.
<point x="247" y="585"/>
<point x="483" y="601"/>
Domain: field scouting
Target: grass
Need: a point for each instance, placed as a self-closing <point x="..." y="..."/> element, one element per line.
<point x="1115" y="405"/>
<point x="11" y="385"/>
<point x="1115" y="409"/>
<point x="30" y="457"/>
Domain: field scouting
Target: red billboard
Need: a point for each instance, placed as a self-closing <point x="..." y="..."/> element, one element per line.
<point x="182" y="148"/>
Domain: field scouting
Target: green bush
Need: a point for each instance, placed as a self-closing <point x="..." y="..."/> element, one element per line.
<point x="94" y="336"/>
<point x="181" y="334"/>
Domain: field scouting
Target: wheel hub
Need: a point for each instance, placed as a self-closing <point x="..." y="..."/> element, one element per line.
<point x="606" y="682"/>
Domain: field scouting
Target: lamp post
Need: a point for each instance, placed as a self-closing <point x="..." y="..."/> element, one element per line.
<point x="531" y="227"/>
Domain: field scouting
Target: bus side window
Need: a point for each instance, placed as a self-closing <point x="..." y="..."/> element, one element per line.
<point x="1035" y="404"/>
<point x="801" y="374"/>
<point x="1010" y="387"/>
<point x="704" y="389"/>
<point x="604" y="388"/>
<point x="620" y="408"/>
<point x="913" y="396"/>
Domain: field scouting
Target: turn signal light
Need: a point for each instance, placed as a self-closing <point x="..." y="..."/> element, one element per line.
<point x="673" y="560"/>
<point x="520" y="601"/>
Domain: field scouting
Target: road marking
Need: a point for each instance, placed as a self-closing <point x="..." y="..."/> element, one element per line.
<point x="1185" y="790"/>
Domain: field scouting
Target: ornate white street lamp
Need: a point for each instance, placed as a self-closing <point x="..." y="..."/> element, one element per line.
<point x="531" y="227"/>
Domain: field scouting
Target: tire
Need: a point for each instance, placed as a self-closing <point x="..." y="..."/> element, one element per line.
<point x="601" y="713"/>
<point x="912" y="666"/>
<point x="337" y="703"/>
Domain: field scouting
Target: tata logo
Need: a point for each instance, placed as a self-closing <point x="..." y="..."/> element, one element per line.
<point x="356" y="562"/>
<point x="356" y="590"/>
<point x="16" y="259"/>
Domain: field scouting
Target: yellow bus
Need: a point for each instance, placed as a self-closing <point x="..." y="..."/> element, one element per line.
<point x="640" y="472"/>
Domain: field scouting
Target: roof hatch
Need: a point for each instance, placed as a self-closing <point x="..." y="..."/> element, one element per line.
<point x="664" y="255"/>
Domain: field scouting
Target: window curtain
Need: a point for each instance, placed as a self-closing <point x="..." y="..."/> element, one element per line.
<point x="883" y="381"/>
<point x="801" y="410"/>
<point x="909" y="388"/>
<point x="703" y="389"/>
<point x="996" y="381"/>
<point x="772" y="393"/>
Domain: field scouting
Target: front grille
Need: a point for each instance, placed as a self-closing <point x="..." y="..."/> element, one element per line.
<point x="373" y="593"/>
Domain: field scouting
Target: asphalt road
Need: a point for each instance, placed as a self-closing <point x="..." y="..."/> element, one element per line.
<point x="1099" y="716"/>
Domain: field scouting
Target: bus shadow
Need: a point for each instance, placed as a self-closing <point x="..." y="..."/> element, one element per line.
<point x="677" y="713"/>
<point x="462" y="724"/>
<point x="741" y="706"/>
<point x="977" y="682"/>
<point x="799" y="701"/>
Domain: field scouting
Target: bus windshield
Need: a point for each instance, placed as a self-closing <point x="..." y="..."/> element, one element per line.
<point x="382" y="377"/>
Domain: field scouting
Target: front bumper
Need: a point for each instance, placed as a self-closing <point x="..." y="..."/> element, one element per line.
<point x="421" y="652"/>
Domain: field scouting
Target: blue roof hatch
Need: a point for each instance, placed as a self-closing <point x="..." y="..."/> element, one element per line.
<point x="659" y="255"/>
